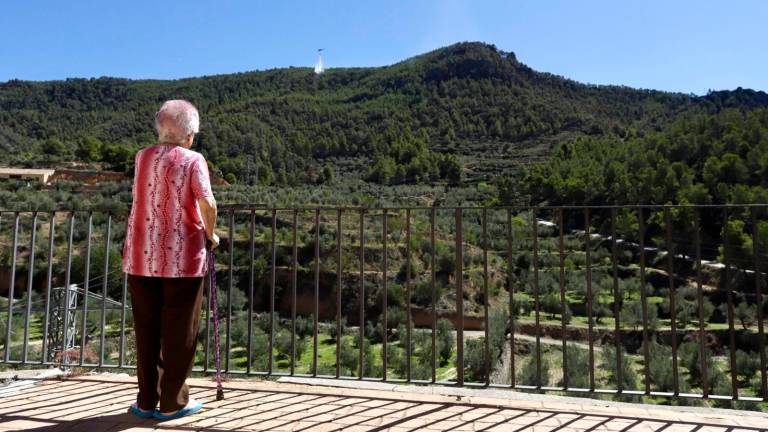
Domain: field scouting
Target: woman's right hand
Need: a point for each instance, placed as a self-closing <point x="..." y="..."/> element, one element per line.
<point x="213" y="241"/>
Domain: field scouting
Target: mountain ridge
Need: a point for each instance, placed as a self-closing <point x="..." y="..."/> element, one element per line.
<point x="288" y="119"/>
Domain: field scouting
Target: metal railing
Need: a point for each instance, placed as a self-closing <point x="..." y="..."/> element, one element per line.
<point x="465" y="265"/>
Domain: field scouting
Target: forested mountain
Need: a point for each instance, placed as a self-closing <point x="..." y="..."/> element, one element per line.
<point x="407" y="121"/>
<point x="698" y="158"/>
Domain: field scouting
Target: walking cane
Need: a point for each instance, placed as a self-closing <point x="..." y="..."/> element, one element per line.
<point x="215" y="308"/>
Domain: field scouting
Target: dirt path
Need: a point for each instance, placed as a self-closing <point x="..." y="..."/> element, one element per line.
<point x="474" y="334"/>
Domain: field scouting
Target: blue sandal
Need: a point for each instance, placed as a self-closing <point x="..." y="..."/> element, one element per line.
<point x="192" y="407"/>
<point x="140" y="412"/>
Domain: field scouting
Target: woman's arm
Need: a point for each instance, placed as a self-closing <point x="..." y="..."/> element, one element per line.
<point x="208" y="212"/>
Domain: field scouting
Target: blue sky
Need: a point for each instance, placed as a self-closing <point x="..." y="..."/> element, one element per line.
<point x="688" y="46"/>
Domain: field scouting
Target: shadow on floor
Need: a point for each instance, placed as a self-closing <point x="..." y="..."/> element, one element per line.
<point x="87" y="405"/>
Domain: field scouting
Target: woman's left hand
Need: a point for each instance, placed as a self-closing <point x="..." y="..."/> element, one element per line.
<point x="213" y="241"/>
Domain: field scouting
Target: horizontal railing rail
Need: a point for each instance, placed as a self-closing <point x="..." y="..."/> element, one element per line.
<point x="649" y="300"/>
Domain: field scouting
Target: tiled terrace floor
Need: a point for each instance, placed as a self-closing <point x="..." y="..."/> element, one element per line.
<point x="99" y="403"/>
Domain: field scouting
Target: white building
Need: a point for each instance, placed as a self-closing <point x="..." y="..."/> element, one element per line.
<point x="41" y="175"/>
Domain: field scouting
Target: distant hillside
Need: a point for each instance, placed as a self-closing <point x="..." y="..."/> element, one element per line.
<point x="409" y="120"/>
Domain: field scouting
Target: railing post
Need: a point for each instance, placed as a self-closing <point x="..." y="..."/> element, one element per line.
<point x="700" y="300"/>
<point x="384" y="299"/>
<point x="433" y="289"/>
<point x="487" y="326"/>
<point x="252" y="256"/>
<point x="65" y="320"/>
<point x="759" y="301"/>
<point x="339" y="275"/>
<point x="230" y="287"/>
<point x="86" y="288"/>
<point x="104" y="285"/>
<point x="30" y="277"/>
<point x="729" y="297"/>
<point x="644" y="303"/>
<point x="459" y="300"/>
<point x="616" y="304"/>
<point x="44" y="357"/>
<point x="361" y="297"/>
<point x="510" y="281"/>
<point x="316" y="295"/>
<point x="294" y="270"/>
<point x="672" y="299"/>
<point x="272" y="293"/>
<point x="408" y="295"/>
<point x="563" y="304"/>
<point x="590" y="299"/>
<point x="206" y="344"/>
<point x="11" y="288"/>
<point x="124" y="299"/>
<point x="536" y="303"/>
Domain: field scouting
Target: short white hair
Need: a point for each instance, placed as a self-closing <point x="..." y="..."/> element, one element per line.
<point x="175" y="120"/>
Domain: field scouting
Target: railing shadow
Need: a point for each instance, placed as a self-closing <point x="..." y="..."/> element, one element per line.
<point x="92" y="406"/>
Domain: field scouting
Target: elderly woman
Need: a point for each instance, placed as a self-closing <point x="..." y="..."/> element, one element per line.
<point x="171" y="223"/>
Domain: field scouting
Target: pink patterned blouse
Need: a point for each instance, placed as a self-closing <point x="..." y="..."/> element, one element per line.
<point x="165" y="236"/>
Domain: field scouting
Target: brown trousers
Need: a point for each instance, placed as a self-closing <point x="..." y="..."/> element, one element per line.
<point x="166" y="316"/>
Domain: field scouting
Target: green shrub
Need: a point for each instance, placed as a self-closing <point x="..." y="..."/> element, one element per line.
<point x="348" y="358"/>
<point x="332" y="331"/>
<point x="747" y="365"/>
<point x="527" y="375"/>
<point x="474" y="359"/>
<point x="498" y="325"/>
<point x="282" y="344"/>
<point x="445" y="340"/>
<point x="628" y="374"/>
<point x="578" y="367"/>
<point x="305" y="326"/>
<point x="689" y="354"/>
